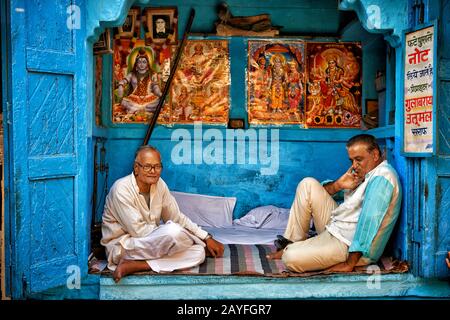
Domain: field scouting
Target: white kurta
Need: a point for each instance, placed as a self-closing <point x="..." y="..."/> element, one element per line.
<point x="131" y="229"/>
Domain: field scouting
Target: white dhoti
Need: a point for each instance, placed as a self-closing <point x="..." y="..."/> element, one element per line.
<point x="169" y="247"/>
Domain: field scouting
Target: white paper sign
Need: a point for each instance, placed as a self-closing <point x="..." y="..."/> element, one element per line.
<point x="418" y="91"/>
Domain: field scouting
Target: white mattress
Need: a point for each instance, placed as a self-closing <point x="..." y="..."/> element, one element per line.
<point x="244" y="235"/>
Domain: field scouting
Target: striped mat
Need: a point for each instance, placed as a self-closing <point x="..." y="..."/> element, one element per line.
<point x="250" y="260"/>
<point x="240" y="259"/>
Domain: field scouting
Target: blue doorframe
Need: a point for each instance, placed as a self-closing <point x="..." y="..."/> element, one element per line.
<point x="427" y="200"/>
<point x="6" y="94"/>
<point x="435" y="178"/>
<point x="47" y="146"/>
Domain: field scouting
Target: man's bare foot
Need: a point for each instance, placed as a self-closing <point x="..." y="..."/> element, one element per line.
<point x="121" y="270"/>
<point x="125" y="267"/>
<point x="275" y="255"/>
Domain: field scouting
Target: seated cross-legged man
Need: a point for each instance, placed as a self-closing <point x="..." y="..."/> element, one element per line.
<point x="352" y="233"/>
<point x="131" y="231"/>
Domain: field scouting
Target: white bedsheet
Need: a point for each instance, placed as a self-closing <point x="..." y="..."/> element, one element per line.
<point x="244" y="235"/>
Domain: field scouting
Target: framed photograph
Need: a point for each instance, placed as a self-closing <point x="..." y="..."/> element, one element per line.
<point x="161" y="25"/>
<point x="372" y="106"/>
<point x="371" y="117"/>
<point x="103" y="45"/>
<point x="130" y="28"/>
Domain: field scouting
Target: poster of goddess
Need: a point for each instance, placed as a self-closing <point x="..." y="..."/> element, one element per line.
<point x="334" y="85"/>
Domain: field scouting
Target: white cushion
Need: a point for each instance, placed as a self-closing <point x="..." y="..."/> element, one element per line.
<point x="266" y="217"/>
<point x="207" y="211"/>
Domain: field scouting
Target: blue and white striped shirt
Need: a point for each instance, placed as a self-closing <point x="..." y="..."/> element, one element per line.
<point x="364" y="221"/>
<point x="379" y="213"/>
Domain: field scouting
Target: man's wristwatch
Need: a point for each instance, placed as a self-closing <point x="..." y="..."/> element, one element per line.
<point x="208" y="236"/>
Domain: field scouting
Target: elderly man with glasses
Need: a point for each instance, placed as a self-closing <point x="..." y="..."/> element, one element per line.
<point x="134" y="239"/>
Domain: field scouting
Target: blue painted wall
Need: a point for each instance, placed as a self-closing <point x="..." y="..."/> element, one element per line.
<point x="303" y="152"/>
<point x="422" y="233"/>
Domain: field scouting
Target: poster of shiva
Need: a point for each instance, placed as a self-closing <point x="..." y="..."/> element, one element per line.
<point x="139" y="74"/>
<point x="334" y="85"/>
<point x="276" y="82"/>
<point x="200" y="90"/>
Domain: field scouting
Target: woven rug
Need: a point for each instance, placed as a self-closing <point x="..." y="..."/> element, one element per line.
<point x="240" y="259"/>
<point x="250" y="260"/>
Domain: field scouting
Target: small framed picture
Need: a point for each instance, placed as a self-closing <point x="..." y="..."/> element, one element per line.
<point x="371" y="117"/>
<point x="130" y="28"/>
<point x="103" y="45"/>
<point x="372" y="106"/>
<point x="161" y="25"/>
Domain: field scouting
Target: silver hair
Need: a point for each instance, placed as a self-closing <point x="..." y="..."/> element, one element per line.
<point x="146" y="148"/>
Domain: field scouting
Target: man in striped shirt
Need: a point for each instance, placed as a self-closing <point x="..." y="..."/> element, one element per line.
<point x="352" y="233"/>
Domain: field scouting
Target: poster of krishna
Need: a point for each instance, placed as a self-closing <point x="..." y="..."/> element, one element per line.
<point x="276" y="82"/>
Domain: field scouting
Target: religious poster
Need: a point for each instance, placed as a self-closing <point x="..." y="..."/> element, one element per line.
<point x="334" y="85"/>
<point x="418" y="92"/>
<point x="276" y="82"/>
<point x="98" y="89"/>
<point x="200" y="90"/>
<point x="140" y="73"/>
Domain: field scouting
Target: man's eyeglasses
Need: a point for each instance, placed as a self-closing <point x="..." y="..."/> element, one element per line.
<point x="149" y="167"/>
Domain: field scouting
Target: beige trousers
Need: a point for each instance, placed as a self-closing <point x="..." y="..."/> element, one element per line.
<point x="319" y="252"/>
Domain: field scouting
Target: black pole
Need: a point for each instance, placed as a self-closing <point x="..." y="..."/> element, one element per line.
<point x="169" y="81"/>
